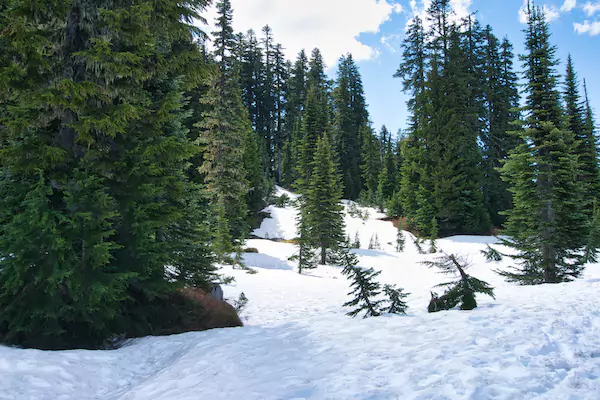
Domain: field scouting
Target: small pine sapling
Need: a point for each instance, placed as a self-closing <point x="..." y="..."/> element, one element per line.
<point x="356" y="243"/>
<point x="400" y="240"/>
<point x="417" y="242"/>
<point x="433" y="236"/>
<point x="365" y="291"/>
<point x="396" y="296"/>
<point x="459" y="292"/>
<point x="491" y="254"/>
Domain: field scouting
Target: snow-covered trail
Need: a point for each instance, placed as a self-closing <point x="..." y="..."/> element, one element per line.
<point x="530" y="343"/>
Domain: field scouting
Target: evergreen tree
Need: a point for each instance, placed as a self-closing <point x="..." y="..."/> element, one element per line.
<point x="388" y="177"/>
<point x="400" y="240"/>
<point x="440" y="72"/>
<point x="547" y="225"/>
<point x="396" y="297"/>
<point x="501" y="104"/>
<point x="350" y="115"/>
<point x="224" y="138"/>
<point x="315" y="120"/>
<point x="461" y="292"/>
<point x="321" y="208"/>
<point x="585" y="144"/>
<point x="365" y="291"/>
<point x="96" y="199"/>
<point x="371" y="166"/>
<point x="306" y="255"/>
<point x="296" y="103"/>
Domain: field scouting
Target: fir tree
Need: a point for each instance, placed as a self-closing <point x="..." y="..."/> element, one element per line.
<point x="321" y="208"/>
<point x="396" y="297"/>
<point x="501" y="104"/>
<point x="365" y="291"/>
<point x="400" y="240"/>
<point x="547" y="225"/>
<point x="350" y="115"/>
<point x="96" y="165"/>
<point x="491" y="254"/>
<point x="226" y="128"/>
<point x="461" y="292"/>
<point x="356" y="242"/>
<point x="388" y="179"/>
<point x="585" y="144"/>
<point x="306" y="256"/>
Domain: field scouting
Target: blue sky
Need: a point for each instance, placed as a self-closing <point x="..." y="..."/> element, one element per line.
<point x="372" y="30"/>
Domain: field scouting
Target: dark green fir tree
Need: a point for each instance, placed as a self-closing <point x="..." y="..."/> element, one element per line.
<point x="547" y="226"/>
<point x="321" y="210"/>
<point x="460" y="292"/>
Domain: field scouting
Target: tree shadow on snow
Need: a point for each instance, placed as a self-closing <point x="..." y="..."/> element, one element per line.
<point x="258" y="260"/>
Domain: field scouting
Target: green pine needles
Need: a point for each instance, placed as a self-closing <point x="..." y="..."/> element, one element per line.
<point x="366" y="290"/>
<point x="460" y="292"/>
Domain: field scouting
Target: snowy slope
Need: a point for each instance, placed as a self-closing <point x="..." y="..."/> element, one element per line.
<point x="531" y="343"/>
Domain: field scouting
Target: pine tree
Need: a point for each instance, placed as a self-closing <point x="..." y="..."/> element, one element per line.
<point x="96" y="199"/>
<point x="440" y="71"/>
<point x="585" y="144"/>
<point x="350" y="115"/>
<point x="356" y="242"/>
<point x="321" y="208"/>
<point x="400" y="240"/>
<point x="388" y="179"/>
<point x="371" y="166"/>
<point x="396" y="297"/>
<point x="461" y="292"/>
<point x="365" y="291"/>
<point x="491" y="254"/>
<point x="226" y="128"/>
<point x="296" y="103"/>
<point x="501" y="104"/>
<point x="306" y="256"/>
<point x="547" y="225"/>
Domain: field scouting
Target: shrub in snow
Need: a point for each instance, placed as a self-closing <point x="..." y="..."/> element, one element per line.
<point x="417" y="242"/>
<point x="250" y="250"/>
<point x="306" y="256"/>
<point x="282" y="201"/>
<point x="460" y="292"/>
<point x="396" y="303"/>
<point x="240" y="303"/>
<point x="400" y="240"/>
<point x="374" y="243"/>
<point x="356" y="242"/>
<point x="366" y="290"/>
<point x="491" y="254"/>
<point x="433" y="236"/>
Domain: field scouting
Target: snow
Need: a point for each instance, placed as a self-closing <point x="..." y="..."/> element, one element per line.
<point x="539" y="342"/>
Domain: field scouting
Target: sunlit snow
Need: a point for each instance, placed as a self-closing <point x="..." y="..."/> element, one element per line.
<point x="538" y="342"/>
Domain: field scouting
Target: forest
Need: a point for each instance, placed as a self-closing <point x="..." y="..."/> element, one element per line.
<point x="137" y="152"/>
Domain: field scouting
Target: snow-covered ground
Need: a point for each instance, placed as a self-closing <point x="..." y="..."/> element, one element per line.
<point x="538" y="342"/>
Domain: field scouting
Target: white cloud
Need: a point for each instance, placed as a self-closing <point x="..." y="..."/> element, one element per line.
<point x="591" y="28"/>
<point x="552" y="13"/>
<point x="568" y="5"/>
<point x="331" y="25"/>
<point x="591" y="9"/>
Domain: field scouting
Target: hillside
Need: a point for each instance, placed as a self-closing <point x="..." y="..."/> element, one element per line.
<point x="530" y="343"/>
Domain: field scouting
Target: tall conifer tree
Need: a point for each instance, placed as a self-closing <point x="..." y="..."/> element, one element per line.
<point x="547" y="225"/>
<point x="322" y="211"/>
<point x="96" y="199"/>
<point x="226" y="128"/>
